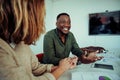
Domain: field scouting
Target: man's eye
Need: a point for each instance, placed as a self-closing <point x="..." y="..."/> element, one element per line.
<point x="62" y="22"/>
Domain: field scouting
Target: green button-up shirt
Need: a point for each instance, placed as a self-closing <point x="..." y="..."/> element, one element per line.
<point x="55" y="49"/>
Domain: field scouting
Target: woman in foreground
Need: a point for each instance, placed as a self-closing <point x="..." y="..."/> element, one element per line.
<point x="21" y="24"/>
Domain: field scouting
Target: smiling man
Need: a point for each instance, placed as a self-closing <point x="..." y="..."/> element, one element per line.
<point x="59" y="42"/>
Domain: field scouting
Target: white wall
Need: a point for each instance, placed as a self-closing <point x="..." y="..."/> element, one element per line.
<point x="79" y="10"/>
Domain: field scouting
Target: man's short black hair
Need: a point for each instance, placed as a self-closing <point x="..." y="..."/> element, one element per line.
<point x="62" y="14"/>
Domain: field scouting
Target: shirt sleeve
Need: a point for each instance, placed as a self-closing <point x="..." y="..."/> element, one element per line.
<point x="75" y="48"/>
<point x="38" y="68"/>
<point x="49" y="51"/>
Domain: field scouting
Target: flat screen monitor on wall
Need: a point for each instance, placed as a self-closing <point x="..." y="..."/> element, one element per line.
<point x="104" y="23"/>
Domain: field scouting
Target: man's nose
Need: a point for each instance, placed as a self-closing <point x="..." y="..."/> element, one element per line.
<point x="67" y="24"/>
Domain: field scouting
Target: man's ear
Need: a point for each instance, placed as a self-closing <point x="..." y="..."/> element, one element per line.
<point x="56" y="23"/>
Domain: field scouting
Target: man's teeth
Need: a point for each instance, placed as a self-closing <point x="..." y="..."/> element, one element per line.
<point x="65" y="28"/>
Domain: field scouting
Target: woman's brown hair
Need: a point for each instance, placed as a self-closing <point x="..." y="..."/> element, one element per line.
<point x="21" y="20"/>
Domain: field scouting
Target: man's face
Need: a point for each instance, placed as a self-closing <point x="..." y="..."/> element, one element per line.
<point x="63" y="24"/>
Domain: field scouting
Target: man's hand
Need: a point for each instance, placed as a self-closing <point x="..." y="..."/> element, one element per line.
<point x="90" y="57"/>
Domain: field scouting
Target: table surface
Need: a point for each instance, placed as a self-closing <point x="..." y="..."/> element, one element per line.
<point x="108" y="59"/>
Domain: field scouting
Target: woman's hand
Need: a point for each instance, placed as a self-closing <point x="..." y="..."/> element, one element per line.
<point x="65" y="64"/>
<point x="74" y="62"/>
<point x="54" y="68"/>
<point x="68" y="63"/>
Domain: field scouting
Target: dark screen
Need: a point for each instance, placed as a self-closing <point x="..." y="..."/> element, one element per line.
<point x="105" y="23"/>
<point x="104" y="66"/>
